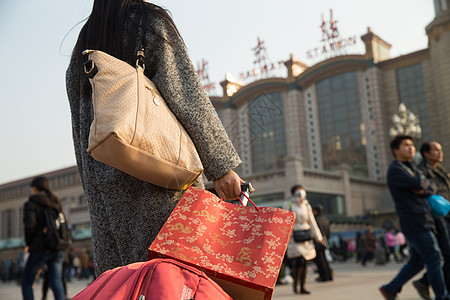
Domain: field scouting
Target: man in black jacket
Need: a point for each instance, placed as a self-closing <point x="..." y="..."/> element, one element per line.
<point x="430" y="166"/>
<point x="409" y="190"/>
<point x="323" y="268"/>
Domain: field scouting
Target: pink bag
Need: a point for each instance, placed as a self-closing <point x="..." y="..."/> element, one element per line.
<point x="158" y="279"/>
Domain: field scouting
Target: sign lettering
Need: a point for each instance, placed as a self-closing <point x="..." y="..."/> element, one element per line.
<point x="332" y="42"/>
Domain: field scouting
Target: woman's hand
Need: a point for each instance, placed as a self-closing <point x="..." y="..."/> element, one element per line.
<point x="228" y="187"/>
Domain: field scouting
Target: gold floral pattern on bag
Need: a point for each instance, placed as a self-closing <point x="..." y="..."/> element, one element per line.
<point x="242" y="242"/>
<point x="205" y="213"/>
<point x="244" y="256"/>
<point x="180" y="227"/>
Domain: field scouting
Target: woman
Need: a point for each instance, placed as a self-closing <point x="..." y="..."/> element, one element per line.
<point x="370" y="244"/>
<point x="390" y="243"/>
<point x="300" y="253"/>
<point x="127" y="213"/>
<point x="35" y="229"/>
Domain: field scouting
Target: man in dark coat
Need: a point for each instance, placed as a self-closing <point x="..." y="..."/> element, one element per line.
<point x="325" y="273"/>
<point x="430" y="166"/>
<point x="409" y="190"/>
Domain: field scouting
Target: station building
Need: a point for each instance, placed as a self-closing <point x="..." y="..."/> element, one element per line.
<point x="327" y="126"/>
<point x="324" y="126"/>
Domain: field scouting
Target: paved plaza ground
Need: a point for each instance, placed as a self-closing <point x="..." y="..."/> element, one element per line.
<point x="352" y="282"/>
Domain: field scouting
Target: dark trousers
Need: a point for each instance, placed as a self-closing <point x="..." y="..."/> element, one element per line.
<point x="323" y="268"/>
<point x="299" y="273"/>
<point x="45" y="285"/>
<point x="424" y="252"/>
<point x="36" y="260"/>
<point x="388" y="254"/>
<point x="443" y="238"/>
<point x="368" y="256"/>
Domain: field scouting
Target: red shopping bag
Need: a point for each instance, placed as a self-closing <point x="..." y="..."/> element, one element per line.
<point x="239" y="247"/>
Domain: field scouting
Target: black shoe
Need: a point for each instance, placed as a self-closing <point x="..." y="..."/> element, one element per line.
<point x="422" y="289"/>
<point x="388" y="295"/>
<point x="318" y="279"/>
<point x="303" y="291"/>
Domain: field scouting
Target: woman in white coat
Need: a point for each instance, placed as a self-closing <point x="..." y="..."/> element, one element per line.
<point x="300" y="252"/>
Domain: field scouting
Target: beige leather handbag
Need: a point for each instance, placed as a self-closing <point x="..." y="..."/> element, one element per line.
<point x="133" y="129"/>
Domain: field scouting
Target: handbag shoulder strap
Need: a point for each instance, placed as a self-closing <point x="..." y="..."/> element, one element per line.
<point x="140" y="51"/>
<point x="90" y="69"/>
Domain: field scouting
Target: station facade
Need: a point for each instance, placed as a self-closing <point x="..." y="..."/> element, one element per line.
<point x="324" y="126"/>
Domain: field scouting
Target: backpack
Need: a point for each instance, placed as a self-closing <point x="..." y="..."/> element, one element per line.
<point x="157" y="279"/>
<point x="58" y="236"/>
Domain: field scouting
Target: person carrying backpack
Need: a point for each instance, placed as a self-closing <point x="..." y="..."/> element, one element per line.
<point x="40" y="236"/>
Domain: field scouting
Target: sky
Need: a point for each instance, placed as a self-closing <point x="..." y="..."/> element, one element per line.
<point x="37" y="38"/>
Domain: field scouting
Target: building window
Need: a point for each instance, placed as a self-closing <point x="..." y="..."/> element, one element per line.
<point x="340" y="121"/>
<point x="66" y="200"/>
<point x="268" y="140"/>
<point x="9" y="193"/>
<point x="411" y="92"/>
<point x="67" y="179"/>
<point x="53" y="182"/>
<point x="276" y="199"/>
<point x="21" y="224"/>
<point x="82" y="200"/>
<point x="333" y="205"/>
<point x="7" y="223"/>
<point x="25" y="189"/>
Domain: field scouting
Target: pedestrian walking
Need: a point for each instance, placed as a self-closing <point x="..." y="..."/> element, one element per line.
<point x="402" y="245"/>
<point x="323" y="267"/>
<point x="342" y="248"/>
<point x="70" y="264"/>
<point x="430" y="166"/>
<point x="301" y="249"/>
<point x="85" y="262"/>
<point x="369" y="245"/>
<point x="76" y="265"/>
<point x="35" y="230"/>
<point x="391" y="245"/>
<point x="360" y="247"/>
<point x="127" y="213"/>
<point x="409" y="189"/>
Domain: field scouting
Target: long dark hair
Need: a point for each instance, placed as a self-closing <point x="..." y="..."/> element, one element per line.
<point x="42" y="184"/>
<point x="104" y="30"/>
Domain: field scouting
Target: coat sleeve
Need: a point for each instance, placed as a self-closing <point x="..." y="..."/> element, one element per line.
<point x="399" y="178"/>
<point x="30" y="222"/>
<point x="170" y="68"/>
<point x="73" y="94"/>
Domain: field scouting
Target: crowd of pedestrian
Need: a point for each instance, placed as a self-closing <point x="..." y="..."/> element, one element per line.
<point x="371" y="245"/>
<point x="78" y="264"/>
<point x="11" y="268"/>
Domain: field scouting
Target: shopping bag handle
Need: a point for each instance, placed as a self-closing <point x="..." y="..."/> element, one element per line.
<point x="242" y="193"/>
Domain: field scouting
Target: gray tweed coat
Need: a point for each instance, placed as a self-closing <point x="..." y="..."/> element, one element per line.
<point x="127" y="213"/>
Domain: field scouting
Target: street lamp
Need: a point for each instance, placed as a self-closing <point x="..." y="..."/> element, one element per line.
<point x="405" y="122"/>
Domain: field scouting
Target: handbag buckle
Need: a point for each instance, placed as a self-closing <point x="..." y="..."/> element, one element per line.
<point x="140" y="59"/>
<point x="90" y="69"/>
